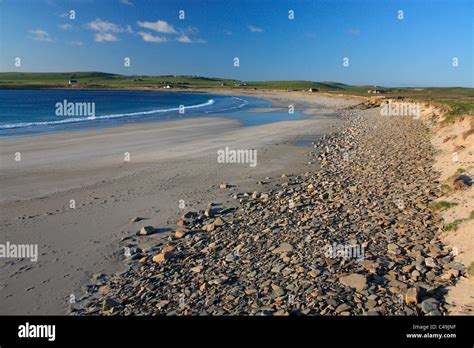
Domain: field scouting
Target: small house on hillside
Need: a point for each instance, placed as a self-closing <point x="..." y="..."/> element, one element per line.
<point x="312" y="89"/>
<point x="376" y="91"/>
<point x="72" y="82"/>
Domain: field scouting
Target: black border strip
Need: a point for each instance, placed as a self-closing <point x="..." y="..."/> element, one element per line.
<point x="70" y="330"/>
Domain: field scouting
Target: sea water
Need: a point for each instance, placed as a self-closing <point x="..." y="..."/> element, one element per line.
<point x="33" y="111"/>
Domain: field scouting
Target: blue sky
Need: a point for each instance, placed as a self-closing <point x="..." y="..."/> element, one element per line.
<point x="382" y="49"/>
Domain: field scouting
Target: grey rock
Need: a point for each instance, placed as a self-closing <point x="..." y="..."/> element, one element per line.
<point x="357" y="281"/>
<point x="429" y="305"/>
<point x="283" y="248"/>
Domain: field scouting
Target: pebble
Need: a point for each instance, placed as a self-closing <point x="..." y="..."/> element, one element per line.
<point x="356" y="281"/>
<point x="180" y="234"/>
<point x="429" y="305"/>
<point x="197" y="269"/>
<point x="278" y="290"/>
<point x="411" y="296"/>
<point x="283" y="248"/>
<point x="162" y="257"/>
<point x="146" y="230"/>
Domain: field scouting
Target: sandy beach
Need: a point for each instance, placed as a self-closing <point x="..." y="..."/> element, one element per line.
<point x="171" y="163"/>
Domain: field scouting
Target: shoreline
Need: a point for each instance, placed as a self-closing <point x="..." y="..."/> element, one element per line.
<point x="273" y="96"/>
<point x="103" y="122"/>
<point x="87" y="138"/>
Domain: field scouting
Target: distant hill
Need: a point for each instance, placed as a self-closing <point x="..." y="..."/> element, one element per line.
<point x="106" y="80"/>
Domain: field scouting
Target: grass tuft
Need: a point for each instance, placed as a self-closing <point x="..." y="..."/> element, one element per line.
<point x="453" y="226"/>
<point x="446" y="187"/>
<point x="470" y="269"/>
<point x="441" y="205"/>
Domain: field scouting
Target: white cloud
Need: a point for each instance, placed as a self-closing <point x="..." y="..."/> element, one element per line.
<point x="103" y="26"/>
<point x="159" y="26"/>
<point x="66" y="26"/>
<point x="126" y="2"/>
<point x="40" y="35"/>
<point x="152" y="38"/>
<point x="255" y="29"/>
<point x="183" y="35"/>
<point x="105" y="37"/>
<point x="105" y="30"/>
<point x="75" y="43"/>
<point x="186" y="39"/>
<point x="228" y="32"/>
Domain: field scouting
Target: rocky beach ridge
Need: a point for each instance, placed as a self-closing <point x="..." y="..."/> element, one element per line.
<point x="356" y="237"/>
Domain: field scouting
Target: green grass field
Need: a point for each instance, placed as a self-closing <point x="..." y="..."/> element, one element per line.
<point x="104" y="80"/>
<point x="460" y="100"/>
